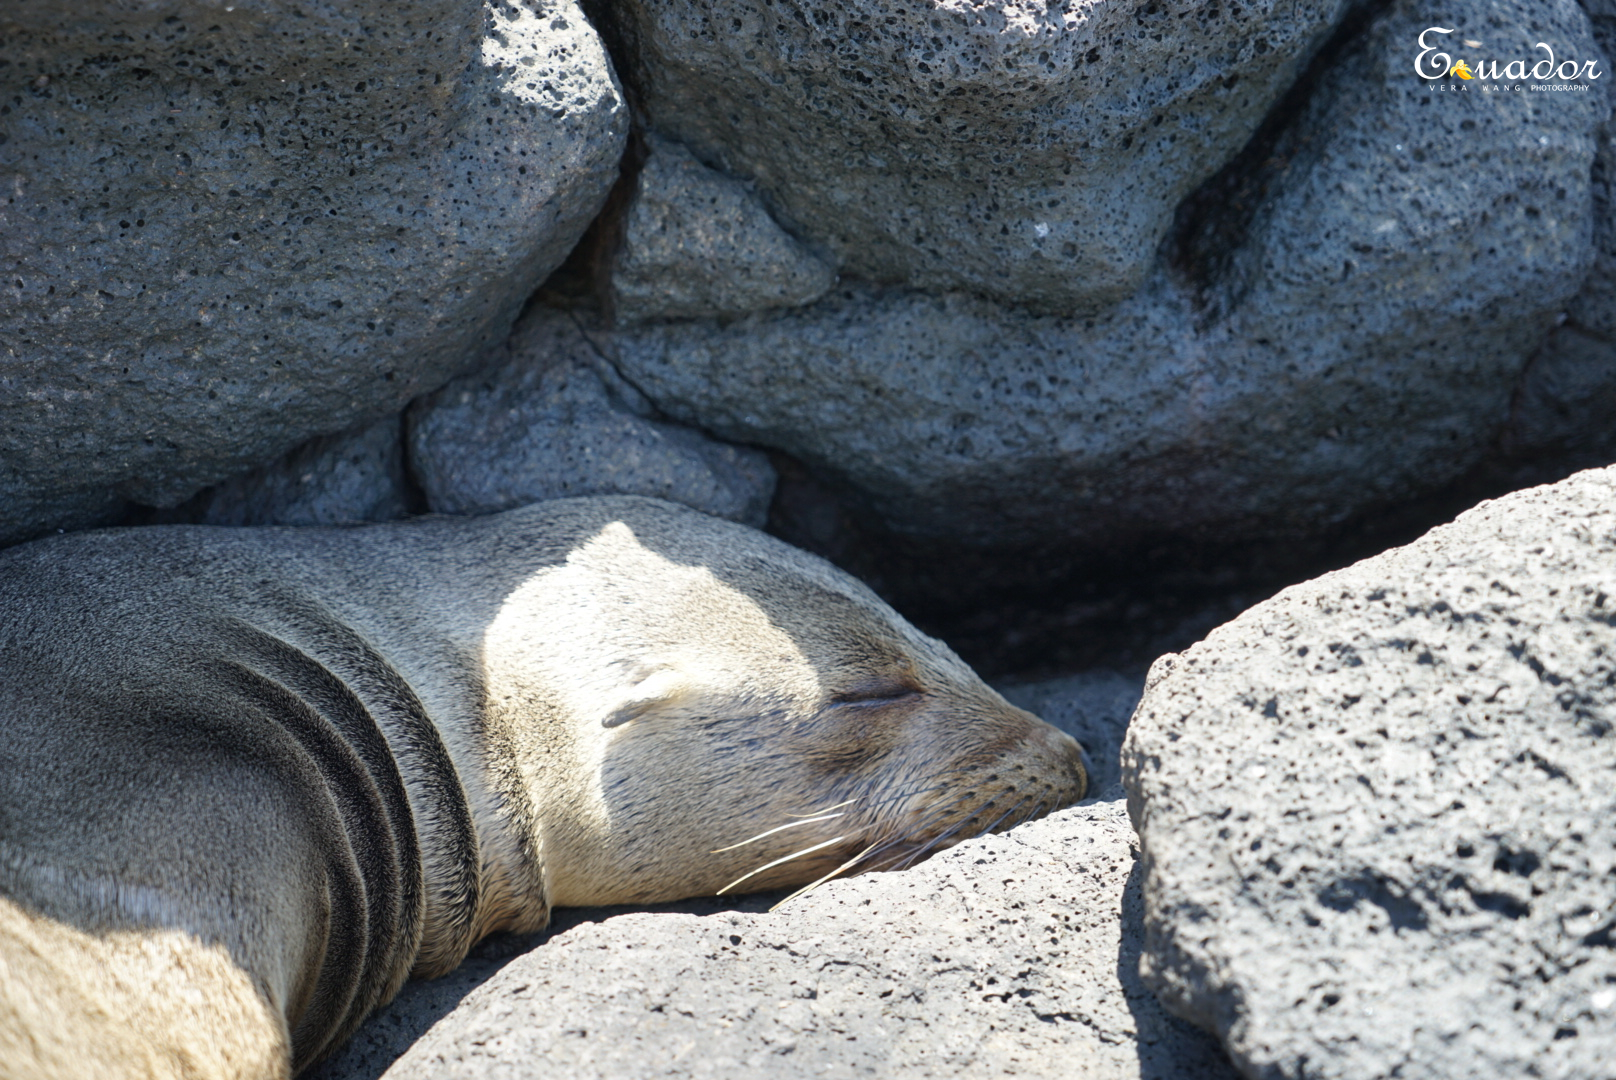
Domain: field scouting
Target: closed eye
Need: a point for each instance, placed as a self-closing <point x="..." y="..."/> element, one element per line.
<point x="883" y="690"/>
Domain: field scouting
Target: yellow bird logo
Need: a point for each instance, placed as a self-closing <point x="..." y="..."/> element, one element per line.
<point x="1461" y="69"/>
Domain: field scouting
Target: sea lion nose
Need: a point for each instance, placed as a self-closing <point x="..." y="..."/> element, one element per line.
<point x="1065" y="754"/>
<point x="1074" y="761"/>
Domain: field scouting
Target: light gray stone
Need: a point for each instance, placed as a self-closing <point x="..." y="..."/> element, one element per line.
<point x="1031" y="151"/>
<point x="330" y="480"/>
<point x="1008" y="955"/>
<point x="697" y="243"/>
<point x="1092" y="707"/>
<point x="225" y="229"/>
<point x="554" y="420"/>
<point x="1378" y="811"/>
<point x="1359" y="347"/>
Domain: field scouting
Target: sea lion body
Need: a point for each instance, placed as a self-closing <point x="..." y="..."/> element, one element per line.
<point x="252" y="779"/>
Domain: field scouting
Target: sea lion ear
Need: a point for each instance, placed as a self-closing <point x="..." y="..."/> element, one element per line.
<point x="661" y="688"/>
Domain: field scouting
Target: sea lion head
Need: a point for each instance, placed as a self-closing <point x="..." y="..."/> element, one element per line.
<point x="695" y="706"/>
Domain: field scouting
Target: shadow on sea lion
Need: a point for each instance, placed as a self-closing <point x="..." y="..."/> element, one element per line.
<point x="252" y="779"/>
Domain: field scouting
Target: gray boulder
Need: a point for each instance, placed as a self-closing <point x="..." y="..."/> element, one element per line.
<point x="1029" y="151"/>
<point x="1333" y="359"/>
<point x="229" y="229"/>
<point x="352" y="476"/>
<point x="554" y="420"/>
<point x="1008" y="955"/>
<point x="698" y="243"/>
<point x="1378" y="811"/>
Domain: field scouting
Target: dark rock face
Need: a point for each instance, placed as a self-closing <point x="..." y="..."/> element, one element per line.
<point x="555" y="420"/>
<point x="225" y="230"/>
<point x="352" y="476"/>
<point x="1566" y="404"/>
<point x="1378" y="811"/>
<point x="1330" y="358"/>
<point x="1028" y="151"/>
<point x="1010" y="954"/>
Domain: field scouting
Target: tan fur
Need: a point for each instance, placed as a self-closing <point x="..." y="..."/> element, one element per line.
<point x="147" y="1004"/>
<point x="270" y="772"/>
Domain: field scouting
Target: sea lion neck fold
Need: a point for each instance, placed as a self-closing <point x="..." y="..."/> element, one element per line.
<point x="301" y="705"/>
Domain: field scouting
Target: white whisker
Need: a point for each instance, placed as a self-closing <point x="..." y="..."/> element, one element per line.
<point x="937" y="812"/>
<point x="927" y="847"/>
<point x="876" y="848"/>
<point x="827" y="809"/>
<point x="771" y="832"/>
<point x="777" y="862"/>
<point x="815" y="884"/>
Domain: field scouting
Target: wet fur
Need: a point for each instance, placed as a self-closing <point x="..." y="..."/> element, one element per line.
<point x="252" y="779"/>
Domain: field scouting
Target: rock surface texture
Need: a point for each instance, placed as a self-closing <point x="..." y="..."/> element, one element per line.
<point x="1311" y="352"/>
<point x="555" y="420"/>
<point x="1029" y="151"/>
<point x="697" y="243"/>
<point x="1009" y="955"/>
<point x="225" y="230"/>
<point x="352" y="476"/>
<point x="1379" y="810"/>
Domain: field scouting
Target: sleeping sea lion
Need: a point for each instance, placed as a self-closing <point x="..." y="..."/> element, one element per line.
<point x="252" y="779"/>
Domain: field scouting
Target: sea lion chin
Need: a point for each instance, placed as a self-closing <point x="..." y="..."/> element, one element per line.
<point x="339" y="756"/>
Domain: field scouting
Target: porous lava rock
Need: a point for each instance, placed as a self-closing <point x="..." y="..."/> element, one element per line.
<point x="1026" y="150"/>
<point x="1378" y="811"/>
<point x="697" y="243"/>
<point x="225" y="229"/>
<point x="555" y="420"/>
<point x="1346" y="333"/>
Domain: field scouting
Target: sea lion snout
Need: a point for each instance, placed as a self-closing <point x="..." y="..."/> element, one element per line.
<point x="1020" y="768"/>
<point x="1060" y="757"/>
